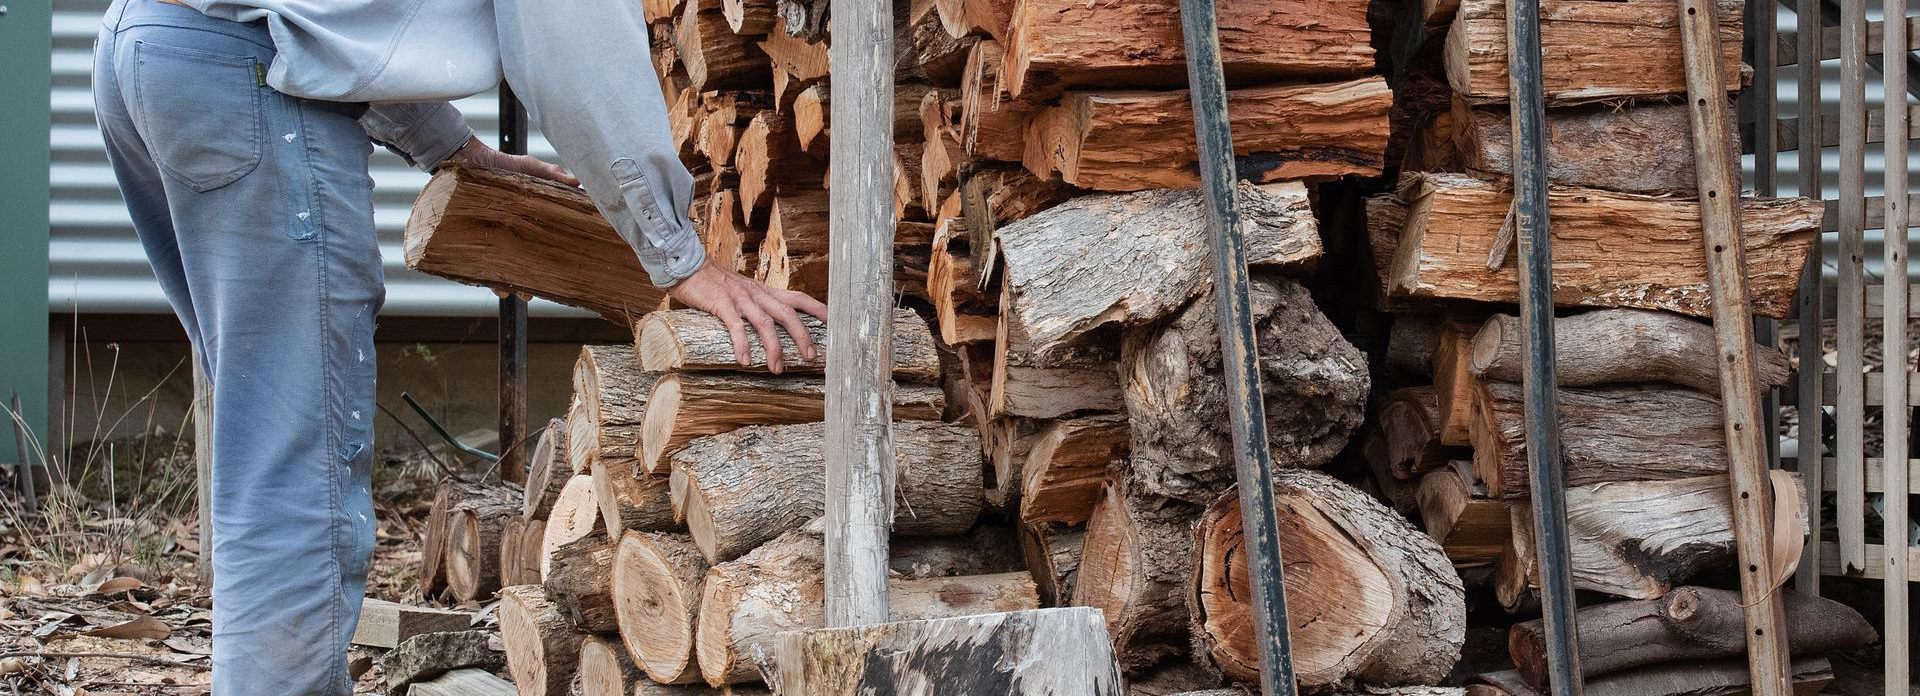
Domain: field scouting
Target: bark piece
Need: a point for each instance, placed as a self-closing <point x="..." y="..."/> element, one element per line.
<point x="1642" y="55"/>
<point x="690" y="339"/>
<point x="1066" y="467"/>
<point x="1453" y="219"/>
<point x="1048" y="652"/>
<point x="1313" y="381"/>
<point x="1615" y="433"/>
<point x="508" y="231"/>
<point x="430" y="655"/>
<point x="1132" y="258"/>
<point x="548" y="469"/>
<point x="610" y="398"/>
<point x="1131" y="141"/>
<point x="580" y="582"/>
<point x="1618" y="346"/>
<point x="1379" y="604"/>
<point x="745" y="487"/>
<point x="1136" y="558"/>
<point x="656" y="593"/>
<point x="689" y="405"/>
<point x="543" y="649"/>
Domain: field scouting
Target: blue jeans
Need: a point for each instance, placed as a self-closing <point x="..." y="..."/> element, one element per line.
<point x="256" y="212"/>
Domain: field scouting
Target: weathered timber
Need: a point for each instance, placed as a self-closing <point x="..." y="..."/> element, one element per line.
<point x="1619" y="346"/>
<point x="1073" y="378"/>
<point x="576" y="514"/>
<point x="1641" y="55"/>
<point x="1066" y="467"/>
<point x="688" y="405"/>
<point x="1645" y="432"/>
<point x="610" y="398"/>
<point x="1045" y="652"/>
<point x="385" y="624"/>
<point x="1133" y="257"/>
<point x="690" y="339"/>
<point x="510" y="231"/>
<point x="1728" y="677"/>
<point x="991" y="196"/>
<point x="1378" y="602"/>
<point x="1633" y="149"/>
<point x="656" y="597"/>
<point x="1136" y="559"/>
<point x="1471" y="527"/>
<point x="543" y="649"/>
<point x="1008" y="442"/>
<point x="604" y="669"/>
<point x="580" y="582"/>
<point x="747" y="486"/>
<point x="464" y="682"/>
<point x="714" y="56"/>
<point x="1130" y="141"/>
<point x="1453" y="220"/>
<point x="547" y="471"/>
<point x="1313" y="382"/>
<point x="631" y="499"/>
<point x="430" y="655"/>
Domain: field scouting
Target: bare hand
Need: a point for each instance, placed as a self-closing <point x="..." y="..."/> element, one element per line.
<point x="479" y="153"/>
<point x="738" y="301"/>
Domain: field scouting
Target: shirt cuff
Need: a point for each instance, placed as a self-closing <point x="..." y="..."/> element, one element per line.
<point x="673" y="262"/>
<point x="425" y="133"/>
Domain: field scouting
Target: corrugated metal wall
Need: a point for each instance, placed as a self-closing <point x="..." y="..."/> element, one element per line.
<point x="96" y="263"/>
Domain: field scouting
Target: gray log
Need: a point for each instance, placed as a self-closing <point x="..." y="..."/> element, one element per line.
<point x="1039" y="652"/>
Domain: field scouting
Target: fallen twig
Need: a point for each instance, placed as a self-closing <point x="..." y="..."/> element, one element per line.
<point x="150" y="659"/>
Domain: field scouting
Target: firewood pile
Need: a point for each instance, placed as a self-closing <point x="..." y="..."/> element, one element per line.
<point x="1060" y="426"/>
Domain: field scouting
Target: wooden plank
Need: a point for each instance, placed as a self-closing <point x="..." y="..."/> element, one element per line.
<point x="1876" y="299"/>
<point x="1788" y="48"/>
<point x="1808" y="303"/>
<point x="385" y="624"/>
<point x="1850" y="414"/>
<point x="1871" y="383"/>
<point x="1767" y="657"/>
<point x="1788" y="130"/>
<point x="1876" y="566"/>
<point x="1874" y="217"/>
<point x="1894" y="415"/>
<point x="1875" y="475"/>
<point x="464" y="682"/>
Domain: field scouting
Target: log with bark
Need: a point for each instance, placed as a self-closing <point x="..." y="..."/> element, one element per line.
<point x="1410" y="420"/>
<point x="1066" y="467"/>
<point x="1641" y="55"/>
<point x="1049" y="652"/>
<point x="1078" y="377"/>
<point x="508" y="231"/>
<point x="473" y="543"/>
<point x="1690" y="623"/>
<point x="1313" y="381"/>
<point x="779" y="587"/>
<point x="689" y="339"/>
<point x="993" y="195"/>
<point x="1452" y="222"/>
<point x="688" y="405"/>
<point x="548" y="469"/>
<point x="543" y="649"/>
<point x="449" y="497"/>
<point x="744" y="487"/>
<point x="1135" y="562"/>
<point x="580" y="581"/>
<point x="1378" y="603"/>
<point x="631" y="499"/>
<point x="576" y="514"/>
<point x="604" y="669"/>
<point x="1470" y="526"/>
<point x="1619" y="346"/>
<point x="1130" y="141"/>
<point x="1055" y="44"/>
<point x="1728" y="677"/>
<point x="1133" y="258"/>
<point x="1008" y="442"/>
<point x="656" y="595"/>
<point x="1638" y="432"/>
<point x="1632" y="149"/>
<point x="1052" y="554"/>
<point x="610" y="398"/>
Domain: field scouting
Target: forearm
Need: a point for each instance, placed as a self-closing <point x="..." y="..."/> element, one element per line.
<point x="425" y="133"/>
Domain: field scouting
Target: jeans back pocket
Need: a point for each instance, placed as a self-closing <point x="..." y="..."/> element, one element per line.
<point x="199" y="112"/>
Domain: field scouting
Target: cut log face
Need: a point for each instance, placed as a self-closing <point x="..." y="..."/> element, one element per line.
<point x="533" y="540"/>
<point x="629" y="499"/>
<point x="473" y="551"/>
<point x="688" y="405"/>
<point x="576" y="514"/>
<point x="1470" y="526"/>
<point x="508" y="231"/>
<point x="714" y="56"/>
<point x="1066" y="467"/>
<point x="542" y="648"/>
<point x="656" y="594"/>
<point x="604" y="670"/>
<point x="1616" y="433"/>
<point x="610" y="398"/>
<point x="1453" y="219"/>
<point x="1136" y="559"/>
<point x="1642" y="56"/>
<point x="1054" y="44"/>
<point x="1378" y="603"/>
<point x="1131" y="141"/>
<point x="1605" y="146"/>
<point x="1051" y="652"/>
<point x="449" y="497"/>
<point x="547" y="471"/>
<point x="508" y="552"/>
<point x="1614" y="346"/>
<point x="1313" y="381"/>
<point x="689" y="339"/>
<point x="1410" y="421"/>
<point x="1132" y="258"/>
<point x="747" y="486"/>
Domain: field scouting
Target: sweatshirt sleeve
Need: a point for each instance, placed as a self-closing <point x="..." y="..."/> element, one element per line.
<point x="425" y="133"/>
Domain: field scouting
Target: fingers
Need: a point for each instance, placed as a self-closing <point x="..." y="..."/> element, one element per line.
<point x="736" y="331"/>
<point x="804" y="302"/>
<point x="789" y="320"/>
<point x="763" y="325"/>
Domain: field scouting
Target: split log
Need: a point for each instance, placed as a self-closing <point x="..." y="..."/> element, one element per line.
<point x="1008" y="442"/>
<point x="1642" y="55"/>
<point x="543" y="650"/>
<point x="386" y="624"/>
<point x="714" y="56"/>
<point x="769" y="159"/>
<point x="747" y="486"/>
<point x="1614" y="433"/>
<point x="656" y="593"/>
<point x="1637" y="539"/>
<point x="799" y="221"/>
<point x="1470" y="526"/>
<point x="748" y="16"/>
<point x="1410" y="423"/>
<point x="1619" y="346"/>
<point x="1606" y="146"/>
<point x="1052" y="553"/>
<point x="509" y="231"/>
<point x="604" y="669"/>
<point x="1514" y="584"/>
<point x="1132" y="258"/>
<point x="1130" y="141"/>
<point x="1073" y="378"/>
<point x="629" y="499"/>
<point x="1386" y="219"/>
<point x="473" y="545"/>
<point x="547" y="470"/>
<point x="1383" y="484"/>
<point x="992" y="123"/>
<point x="693" y="340"/>
<point x="580" y="581"/>
<point x="1453" y="380"/>
<point x="925" y="51"/>
<point x="1691" y="623"/>
<point x="464" y="682"/>
<point x="688" y="405"/>
<point x="1453" y="219"/>
<point x="1313" y="381"/>
<point x="511" y="537"/>
<point x="1054" y="44"/>
<point x="1810" y="675"/>
<point x="430" y="655"/>
<point x="994" y="195"/>
<point x="1066" y="468"/>
<point x="533" y="541"/>
<point x="610" y="395"/>
<point x="800" y="57"/>
<point x="964" y="17"/>
<point x="1050" y="652"/>
<point x="1379" y="604"/>
<point x="778" y="587"/>
<point x="963" y="314"/>
<point x="1135" y="562"/>
<point x="727" y="113"/>
<point x="811" y="119"/>
<point x="575" y="515"/>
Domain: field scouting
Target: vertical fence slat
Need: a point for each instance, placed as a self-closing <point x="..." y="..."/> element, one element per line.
<point x="1850" y="410"/>
<point x="1894" y="354"/>
<point x="1812" y="362"/>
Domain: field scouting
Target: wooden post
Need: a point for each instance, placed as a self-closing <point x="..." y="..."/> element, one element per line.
<point x="1850" y="408"/>
<point x="1767" y="658"/>
<point x="203" y="465"/>
<point x="1809" y="399"/>
<point x="859" y="441"/>
<point x="1894" y="414"/>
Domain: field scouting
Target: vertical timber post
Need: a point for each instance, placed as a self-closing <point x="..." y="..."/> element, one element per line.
<point x="513" y="322"/>
<point x="1541" y="384"/>
<point x="1239" y="358"/>
<point x="860" y="314"/>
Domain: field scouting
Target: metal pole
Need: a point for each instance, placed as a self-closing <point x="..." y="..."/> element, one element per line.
<point x="513" y="321"/>
<point x="1536" y="309"/>
<point x="1239" y="359"/>
<point x="860" y="314"/>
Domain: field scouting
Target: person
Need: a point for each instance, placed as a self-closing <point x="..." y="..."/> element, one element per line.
<point x="239" y="132"/>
